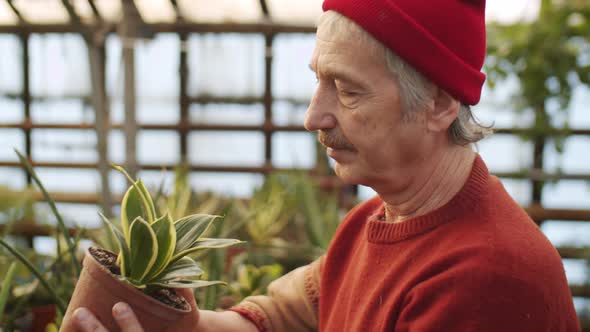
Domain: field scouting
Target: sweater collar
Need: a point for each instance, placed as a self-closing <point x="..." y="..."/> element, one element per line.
<point x="465" y="200"/>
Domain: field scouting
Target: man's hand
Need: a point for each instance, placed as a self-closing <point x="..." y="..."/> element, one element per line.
<point x="85" y="321"/>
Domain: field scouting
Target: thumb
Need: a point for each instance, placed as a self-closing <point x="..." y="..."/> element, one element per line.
<point x="189" y="296"/>
<point x="191" y="321"/>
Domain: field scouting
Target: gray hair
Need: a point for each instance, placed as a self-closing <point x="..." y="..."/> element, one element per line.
<point x="416" y="90"/>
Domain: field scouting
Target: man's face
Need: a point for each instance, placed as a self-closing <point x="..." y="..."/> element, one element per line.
<point x="357" y="111"/>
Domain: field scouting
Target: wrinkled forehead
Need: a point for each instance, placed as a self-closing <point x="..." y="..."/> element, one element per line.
<point x="335" y="27"/>
<point x="338" y="34"/>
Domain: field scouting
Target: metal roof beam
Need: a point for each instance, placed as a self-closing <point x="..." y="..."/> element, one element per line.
<point x="74" y="18"/>
<point x="264" y="8"/>
<point x="16" y="11"/>
<point x="95" y="10"/>
<point x="179" y="27"/>
<point x="179" y="16"/>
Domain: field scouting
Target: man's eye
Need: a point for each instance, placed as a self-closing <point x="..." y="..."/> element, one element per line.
<point x="346" y="93"/>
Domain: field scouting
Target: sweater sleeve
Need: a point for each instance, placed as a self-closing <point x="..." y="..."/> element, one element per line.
<point x="291" y="303"/>
<point x="482" y="301"/>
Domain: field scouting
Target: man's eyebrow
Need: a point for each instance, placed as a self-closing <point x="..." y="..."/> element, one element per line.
<point x="330" y="72"/>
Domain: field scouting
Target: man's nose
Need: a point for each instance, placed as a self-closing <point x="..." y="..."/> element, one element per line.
<point x="319" y="114"/>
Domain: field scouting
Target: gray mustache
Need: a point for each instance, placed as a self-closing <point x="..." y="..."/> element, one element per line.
<point x="333" y="140"/>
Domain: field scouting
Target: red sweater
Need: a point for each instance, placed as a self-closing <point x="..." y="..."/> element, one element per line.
<point x="479" y="263"/>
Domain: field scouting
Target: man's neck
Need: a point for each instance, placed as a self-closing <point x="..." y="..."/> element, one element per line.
<point x="433" y="186"/>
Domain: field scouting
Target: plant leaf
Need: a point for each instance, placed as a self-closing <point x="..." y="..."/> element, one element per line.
<point x="6" y="286"/>
<point x="143" y="249"/>
<point x="185" y="267"/>
<point x="146" y="199"/>
<point x="131" y="208"/>
<point x="166" y="237"/>
<point x="149" y="203"/>
<point x="188" y="283"/>
<point x="206" y="243"/>
<point x="190" y="228"/>
<point x="124" y="253"/>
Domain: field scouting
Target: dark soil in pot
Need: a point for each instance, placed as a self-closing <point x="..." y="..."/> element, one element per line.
<point x="167" y="296"/>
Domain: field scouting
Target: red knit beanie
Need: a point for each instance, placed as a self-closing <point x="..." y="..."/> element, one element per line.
<point x="445" y="40"/>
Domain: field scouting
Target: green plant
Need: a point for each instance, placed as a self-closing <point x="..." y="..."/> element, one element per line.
<point x="252" y="280"/>
<point x="320" y="212"/>
<point x="548" y="57"/>
<point x="56" y="278"/>
<point x="6" y="285"/>
<point x="272" y="207"/>
<point x="153" y="251"/>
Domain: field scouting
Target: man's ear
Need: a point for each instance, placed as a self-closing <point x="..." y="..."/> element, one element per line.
<point x="445" y="111"/>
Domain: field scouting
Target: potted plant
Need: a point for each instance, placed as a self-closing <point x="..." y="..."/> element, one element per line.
<point x="151" y="263"/>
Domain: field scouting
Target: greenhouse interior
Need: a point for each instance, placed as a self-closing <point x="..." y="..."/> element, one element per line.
<point x="205" y="103"/>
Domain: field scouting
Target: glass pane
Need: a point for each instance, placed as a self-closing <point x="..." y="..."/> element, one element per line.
<point x="576" y="270"/>
<point x="7" y="16"/>
<point x="42" y="11"/>
<point x="13" y="177"/>
<point x="231" y="184"/>
<point x="227" y="114"/>
<point x="71" y="146"/>
<point x="158" y="147"/>
<point x="291" y="75"/>
<point x="59" y="65"/>
<point x="574" y="159"/>
<point x="11" y="139"/>
<point x="567" y="194"/>
<point x="221" y="11"/>
<point x="85" y="215"/>
<point x="11" y="79"/>
<point x="366" y="193"/>
<point x="156" y="68"/>
<point x="226" y="65"/>
<point x="12" y="110"/>
<point x="286" y="113"/>
<point x="578" y="112"/>
<point x="69" y="180"/>
<point x="496" y="106"/>
<point x="520" y="190"/>
<point x="564" y="233"/>
<point x="71" y="111"/>
<point x="505" y="153"/>
<point x="116" y="147"/>
<point x="303" y="12"/>
<point x="226" y="148"/>
<point x="156" y="11"/>
<point x="293" y="150"/>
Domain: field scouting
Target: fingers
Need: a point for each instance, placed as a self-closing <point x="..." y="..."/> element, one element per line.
<point x="126" y="318"/>
<point x="188" y="322"/>
<point x="86" y="322"/>
<point x="189" y="296"/>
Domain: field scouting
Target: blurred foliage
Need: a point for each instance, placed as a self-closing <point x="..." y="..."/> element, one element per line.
<point x="287" y="222"/>
<point x="549" y="57"/>
<point x="40" y="279"/>
<point x="15" y="205"/>
<point x="251" y="280"/>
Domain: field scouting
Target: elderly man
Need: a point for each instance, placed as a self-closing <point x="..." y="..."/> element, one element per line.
<point x="442" y="247"/>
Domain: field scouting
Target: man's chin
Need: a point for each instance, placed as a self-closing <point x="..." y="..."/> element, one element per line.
<point x="346" y="174"/>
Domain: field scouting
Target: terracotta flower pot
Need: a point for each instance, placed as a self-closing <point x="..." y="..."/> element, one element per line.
<point x="98" y="290"/>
